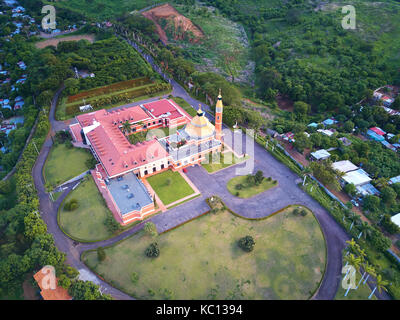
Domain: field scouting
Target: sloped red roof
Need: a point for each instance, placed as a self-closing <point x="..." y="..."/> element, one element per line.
<point x="378" y="131"/>
<point x="58" y="293"/>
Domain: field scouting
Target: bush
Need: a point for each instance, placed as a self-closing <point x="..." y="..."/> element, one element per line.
<point x="101" y="254"/>
<point x="239" y="186"/>
<point x="303" y="213"/>
<point x="71" y="205"/>
<point x="247" y="243"/>
<point x="134" y="277"/>
<point x="296" y="212"/>
<point x="153" y="251"/>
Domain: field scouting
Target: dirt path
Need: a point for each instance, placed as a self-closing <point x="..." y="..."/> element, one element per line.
<point x="55" y="41"/>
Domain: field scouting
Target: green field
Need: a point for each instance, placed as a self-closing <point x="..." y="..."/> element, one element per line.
<point x="248" y="190"/>
<point x="177" y="189"/>
<point x="64" y="164"/>
<point x="87" y="222"/>
<point x="185" y="106"/>
<point x="201" y="260"/>
<point x="223" y="157"/>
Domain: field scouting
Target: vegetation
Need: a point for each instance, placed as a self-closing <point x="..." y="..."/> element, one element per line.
<point x="56" y="171"/>
<point x="173" y="191"/>
<point x="87" y="222"/>
<point x="249" y="186"/>
<point x="246" y="243"/>
<point x="275" y="269"/>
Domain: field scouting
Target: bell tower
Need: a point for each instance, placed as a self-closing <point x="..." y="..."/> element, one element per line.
<point x="218" y="117"/>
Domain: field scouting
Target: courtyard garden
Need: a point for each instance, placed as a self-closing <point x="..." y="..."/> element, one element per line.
<point x="221" y="161"/>
<point x="170" y="186"/>
<point x="64" y="163"/>
<point x="203" y="260"/>
<point x="83" y="214"/>
<point x="250" y="185"/>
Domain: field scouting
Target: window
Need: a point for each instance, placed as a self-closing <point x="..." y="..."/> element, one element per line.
<point x="146" y="172"/>
<point x="162" y="166"/>
<point x="154" y="169"/>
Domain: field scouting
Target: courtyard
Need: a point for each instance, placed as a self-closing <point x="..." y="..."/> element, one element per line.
<point x="201" y="259"/>
<point x="170" y="186"/>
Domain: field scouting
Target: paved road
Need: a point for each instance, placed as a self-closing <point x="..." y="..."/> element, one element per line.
<point x="262" y="205"/>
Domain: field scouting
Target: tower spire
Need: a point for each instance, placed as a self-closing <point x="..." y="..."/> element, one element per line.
<point x="218" y="117"/>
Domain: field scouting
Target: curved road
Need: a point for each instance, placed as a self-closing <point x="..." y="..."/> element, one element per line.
<point x="286" y="193"/>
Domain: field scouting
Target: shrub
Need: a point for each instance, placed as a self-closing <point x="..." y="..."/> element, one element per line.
<point x="134" y="277"/>
<point x="296" y="212"/>
<point x="237" y="194"/>
<point x="153" y="251"/>
<point x="247" y="243"/>
<point x="101" y="254"/>
<point x="71" y="205"/>
<point x="303" y="213"/>
<point x="269" y="179"/>
<point x="239" y="186"/>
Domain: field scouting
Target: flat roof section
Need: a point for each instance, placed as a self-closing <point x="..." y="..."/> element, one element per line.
<point x="344" y="166"/>
<point x="129" y="193"/>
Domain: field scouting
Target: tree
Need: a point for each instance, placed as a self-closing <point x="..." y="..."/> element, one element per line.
<point x="371" y="203"/>
<point x="350" y="189"/>
<point x="86" y="290"/>
<point x="258" y="177"/>
<point x="247" y="243"/>
<point x="153" y="251"/>
<point x="353" y="261"/>
<point x="301" y="109"/>
<point x="348" y="126"/>
<point x="126" y="127"/>
<point x="64" y="281"/>
<point x="379" y="284"/>
<point x="388" y="196"/>
<point x="151" y="229"/>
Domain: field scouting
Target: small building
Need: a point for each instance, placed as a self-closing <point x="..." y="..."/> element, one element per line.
<point x="367" y="189"/>
<point x="49" y="290"/>
<point x="346" y="142"/>
<point x="320" y="155"/>
<point x="388" y="145"/>
<point x="375" y="136"/>
<point x="329" y="122"/>
<point x="288" y="136"/>
<point x="328" y="133"/>
<point x="396" y="219"/>
<point x="313" y="125"/>
<point x="378" y="131"/>
<point x="86" y="107"/>
<point x="394" y="180"/>
<point x="358" y="177"/>
<point x="344" y="166"/>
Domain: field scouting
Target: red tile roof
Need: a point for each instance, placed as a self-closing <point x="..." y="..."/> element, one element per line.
<point x="58" y="293"/>
<point x="115" y="152"/>
<point x="164" y="107"/>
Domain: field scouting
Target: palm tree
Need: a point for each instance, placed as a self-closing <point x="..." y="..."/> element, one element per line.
<point x="367" y="269"/>
<point x="355" y="262"/>
<point x="354" y="218"/>
<point x="371" y="272"/>
<point x="365" y="230"/>
<point x="380" y="284"/>
<point x="354" y="247"/>
<point x="126" y="127"/>
<point x="306" y="172"/>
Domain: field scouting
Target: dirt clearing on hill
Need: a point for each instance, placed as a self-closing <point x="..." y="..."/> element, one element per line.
<point x="170" y="22"/>
<point x="56" y="41"/>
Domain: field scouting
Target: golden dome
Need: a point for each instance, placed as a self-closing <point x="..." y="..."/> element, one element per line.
<point x="200" y="127"/>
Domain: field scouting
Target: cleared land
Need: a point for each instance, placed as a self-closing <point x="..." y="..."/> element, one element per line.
<point x="64" y="164"/>
<point x="248" y="190"/>
<point x="87" y="222"/>
<point x="55" y="41"/>
<point x="201" y="260"/>
<point x="170" y="186"/>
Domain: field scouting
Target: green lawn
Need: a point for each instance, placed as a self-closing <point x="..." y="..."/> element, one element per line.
<point x="87" y="222"/>
<point x="247" y="190"/>
<point x="64" y="164"/>
<point x="169" y="193"/>
<point x="185" y="106"/>
<point x="201" y="260"/>
<point x="224" y="157"/>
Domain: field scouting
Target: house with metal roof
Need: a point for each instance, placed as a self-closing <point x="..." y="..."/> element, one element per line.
<point x="320" y="155"/>
<point x="358" y="177"/>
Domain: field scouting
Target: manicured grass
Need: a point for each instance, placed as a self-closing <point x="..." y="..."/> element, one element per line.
<point x="223" y="157"/>
<point x="248" y="190"/>
<point x="64" y="164"/>
<point x="169" y="193"/>
<point x="185" y="106"/>
<point x="201" y="259"/>
<point x="86" y="223"/>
